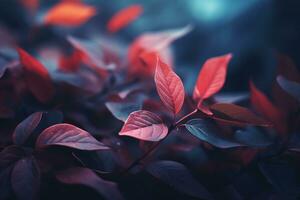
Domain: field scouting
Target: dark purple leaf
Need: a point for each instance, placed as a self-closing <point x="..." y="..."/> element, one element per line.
<point x="84" y="176"/>
<point x="25" y="179"/>
<point x="69" y="136"/>
<point x="26" y="127"/>
<point x="178" y="176"/>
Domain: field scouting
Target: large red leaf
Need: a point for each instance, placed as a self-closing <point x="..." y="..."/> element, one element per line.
<point x="169" y="87"/>
<point x="211" y="77"/>
<point x="37" y="77"/>
<point x="265" y="107"/>
<point x="69" y="136"/>
<point x="149" y="43"/>
<point x="69" y="14"/>
<point x="144" y="125"/>
<point x="236" y="115"/>
<point x="124" y="17"/>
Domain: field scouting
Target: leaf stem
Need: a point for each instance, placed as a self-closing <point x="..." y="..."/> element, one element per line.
<point x="155" y="146"/>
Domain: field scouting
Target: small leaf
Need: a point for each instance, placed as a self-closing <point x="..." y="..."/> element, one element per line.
<point x="238" y="114"/>
<point x="124" y="17"/>
<point x="26" y="128"/>
<point x="178" y="176"/>
<point x="69" y="14"/>
<point x="69" y="136"/>
<point x="211" y="77"/>
<point x="86" y="177"/>
<point x="169" y="87"/>
<point x="291" y="87"/>
<point x="208" y="132"/>
<point x="70" y="63"/>
<point x="265" y="107"/>
<point x="25" y="179"/>
<point x="144" y="125"/>
<point x="37" y="77"/>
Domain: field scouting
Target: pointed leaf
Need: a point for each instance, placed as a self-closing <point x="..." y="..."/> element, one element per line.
<point x="178" y="176"/>
<point x="25" y="179"/>
<point x="144" y="125"/>
<point x="169" y="87"/>
<point x="36" y="77"/>
<point x="234" y="113"/>
<point x="69" y="14"/>
<point x="291" y="87"/>
<point x="69" y="136"/>
<point x="26" y="128"/>
<point x="124" y="17"/>
<point x="211" y="77"/>
<point x="84" y="176"/>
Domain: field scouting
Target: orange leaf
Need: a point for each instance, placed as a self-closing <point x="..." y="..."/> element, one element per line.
<point x="124" y="17"/>
<point x="69" y="14"/>
<point x="211" y="77"/>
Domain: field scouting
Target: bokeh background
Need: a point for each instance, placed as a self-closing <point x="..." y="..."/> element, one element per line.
<point x="253" y="30"/>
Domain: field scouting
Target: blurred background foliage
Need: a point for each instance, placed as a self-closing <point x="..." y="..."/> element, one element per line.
<point x="253" y="30"/>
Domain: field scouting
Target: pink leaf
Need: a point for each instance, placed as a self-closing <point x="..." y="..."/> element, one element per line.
<point x="144" y="125"/>
<point x="69" y="136"/>
<point x="169" y="87"/>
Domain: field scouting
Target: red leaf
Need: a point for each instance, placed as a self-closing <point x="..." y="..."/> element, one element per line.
<point x="144" y="125"/>
<point x="124" y="17"/>
<point x="169" y="87"/>
<point x="69" y="136"/>
<point x="237" y="115"/>
<point x="211" y="77"/>
<point x="152" y="43"/>
<point x="37" y="77"/>
<point x="69" y="14"/>
<point x="70" y="63"/>
<point x="265" y="107"/>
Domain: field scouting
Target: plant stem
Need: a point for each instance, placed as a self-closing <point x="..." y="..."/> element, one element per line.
<point x="155" y="146"/>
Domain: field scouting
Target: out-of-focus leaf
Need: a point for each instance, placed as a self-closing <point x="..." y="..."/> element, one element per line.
<point x="93" y="54"/>
<point x="291" y="87"/>
<point x="178" y="176"/>
<point x="124" y="17"/>
<point x="237" y="115"/>
<point x="266" y="108"/>
<point x="84" y="176"/>
<point x="144" y="125"/>
<point x="10" y="155"/>
<point x="211" y="77"/>
<point x="37" y="77"/>
<point x="69" y="136"/>
<point x="25" y="179"/>
<point x="26" y="127"/>
<point x="169" y="87"/>
<point x="69" y="14"/>
<point x="152" y="42"/>
<point x="122" y="109"/>
<point x="70" y="63"/>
